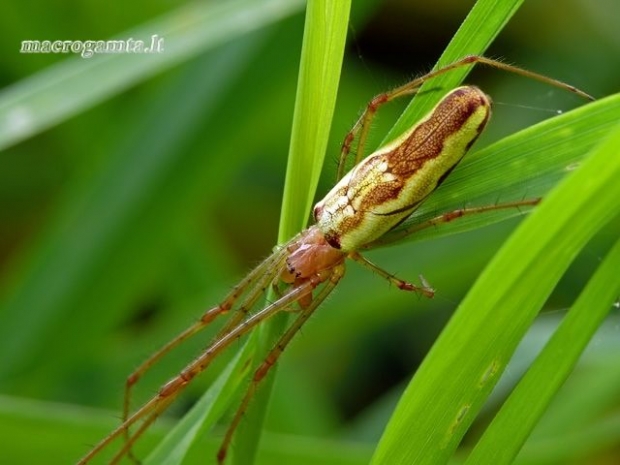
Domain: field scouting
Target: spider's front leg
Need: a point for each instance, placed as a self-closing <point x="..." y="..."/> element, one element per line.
<point x="151" y="410"/>
<point x="330" y="277"/>
<point x="239" y="301"/>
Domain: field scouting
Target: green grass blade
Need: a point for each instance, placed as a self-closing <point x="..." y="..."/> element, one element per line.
<point x="72" y="86"/>
<point x="523" y="409"/>
<point x="319" y="75"/>
<point x="463" y="366"/>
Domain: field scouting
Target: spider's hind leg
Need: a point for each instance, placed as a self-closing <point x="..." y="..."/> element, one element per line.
<point x="332" y="276"/>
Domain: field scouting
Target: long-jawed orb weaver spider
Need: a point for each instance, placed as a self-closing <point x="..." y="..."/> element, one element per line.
<point x="380" y="192"/>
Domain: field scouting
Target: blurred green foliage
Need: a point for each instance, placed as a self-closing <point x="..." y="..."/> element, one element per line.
<point x="134" y="215"/>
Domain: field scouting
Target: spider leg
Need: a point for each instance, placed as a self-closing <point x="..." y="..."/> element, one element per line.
<point x="425" y="290"/>
<point x="335" y="275"/>
<point x="252" y="286"/>
<point x="149" y="412"/>
<point x="401" y="233"/>
<point x="362" y="125"/>
<point x="130" y="440"/>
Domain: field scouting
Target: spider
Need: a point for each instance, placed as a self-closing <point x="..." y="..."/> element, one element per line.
<point x="374" y="197"/>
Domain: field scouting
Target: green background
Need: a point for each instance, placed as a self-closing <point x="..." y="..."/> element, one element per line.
<point x="132" y="216"/>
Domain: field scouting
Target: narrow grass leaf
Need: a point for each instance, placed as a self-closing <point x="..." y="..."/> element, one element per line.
<point x="322" y="52"/>
<point x="465" y="363"/>
<point x="74" y="85"/>
<point x="513" y="424"/>
<point x="319" y="75"/>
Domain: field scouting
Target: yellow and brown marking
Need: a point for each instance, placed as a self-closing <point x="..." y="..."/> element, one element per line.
<point x="387" y="186"/>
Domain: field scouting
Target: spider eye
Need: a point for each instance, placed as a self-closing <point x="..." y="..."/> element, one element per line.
<point x="318" y="211"/>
